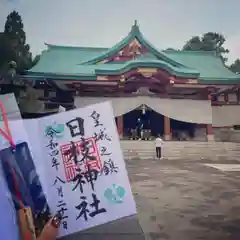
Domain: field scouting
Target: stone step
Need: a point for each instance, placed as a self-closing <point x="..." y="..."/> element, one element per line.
<point x="190" y="158"/>
<point x="225" y="153"/>
<point x="189" y="151"/>
<point x="184" y="147"/>
<point x="182" y="150"/>
<point x="148" y="143"/>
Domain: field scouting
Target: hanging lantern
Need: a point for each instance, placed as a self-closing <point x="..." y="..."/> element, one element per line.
<point x="144" y="108"/>
<point x="121" y="81"/>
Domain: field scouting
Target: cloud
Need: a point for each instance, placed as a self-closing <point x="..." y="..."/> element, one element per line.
<point x="103" y="23"/>
<point x="233" y="44"/>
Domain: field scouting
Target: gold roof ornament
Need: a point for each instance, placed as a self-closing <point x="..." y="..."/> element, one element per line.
<point x="121" y="81"/>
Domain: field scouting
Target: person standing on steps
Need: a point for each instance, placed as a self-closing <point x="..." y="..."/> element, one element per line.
<point x="159" y="145"/>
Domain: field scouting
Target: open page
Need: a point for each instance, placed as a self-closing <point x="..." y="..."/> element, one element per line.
<point x="85" y="175"/>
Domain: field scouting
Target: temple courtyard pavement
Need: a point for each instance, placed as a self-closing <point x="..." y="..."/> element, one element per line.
<point x="178" y="200"/>
<point x="187" y="200"/>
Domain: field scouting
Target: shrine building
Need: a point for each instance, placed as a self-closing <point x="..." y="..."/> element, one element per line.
<point x="184" y="95"/>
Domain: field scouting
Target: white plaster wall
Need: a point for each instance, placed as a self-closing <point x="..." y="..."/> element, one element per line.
<point x="232" y="97"/>
<point x="226" y="115"/>
<point x="226" y="134"/>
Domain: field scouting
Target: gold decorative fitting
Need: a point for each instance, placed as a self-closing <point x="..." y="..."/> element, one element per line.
<point x="102" y="78"/>
<point x="135" y="43"/>
<point x="172" y="79"/>
<point x="147" y="71"/>
<point x="147" y="75"/>
<point x="102" y="62"/>
<point x="192" y="81"/>
<point x="122" y="79"/>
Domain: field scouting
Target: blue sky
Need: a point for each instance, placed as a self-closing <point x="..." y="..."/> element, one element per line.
<point x="165" y="23"/>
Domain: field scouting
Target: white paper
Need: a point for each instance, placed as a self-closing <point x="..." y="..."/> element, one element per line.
<point x="11" y="106"/>
<point x="8" y="222"/>
<point x="112" y="188"/>
<point x="12" y="113"/>
<point x="18" y="133"/>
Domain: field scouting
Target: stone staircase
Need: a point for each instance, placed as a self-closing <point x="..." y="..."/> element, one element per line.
<point x="189" y="150"/>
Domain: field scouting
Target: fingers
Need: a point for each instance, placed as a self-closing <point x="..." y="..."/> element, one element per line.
<point x="56" y="220"/>
<point x="50" y="231"/>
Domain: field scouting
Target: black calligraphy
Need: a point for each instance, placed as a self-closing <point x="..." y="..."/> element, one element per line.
<point x="62" y="209"/>
<point x="104" y="151"/>
<point x="61" y="205"/>
<point x="91" y="176"/>
<point x="79" y="180"/>
<point x="53" y="147"/>
<point x="76" y="127"/>
<point x="51" y="132"/>
<point x="85" y="149"/>
<point x="82" y="178"/>
<point x="95" y="116"/>
<point x="109" y="167"/>
<point x="72" y="153"/>
<point x="58" y="179"/>
<point x="60" y="191"/>
<point x="101" y="135"/>
<point x="84" y="209"/>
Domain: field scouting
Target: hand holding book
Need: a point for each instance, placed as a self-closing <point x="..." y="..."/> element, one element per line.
<point x="50" y="231"/>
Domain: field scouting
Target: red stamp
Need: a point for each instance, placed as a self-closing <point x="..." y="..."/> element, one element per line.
<point x="79" y="155"/>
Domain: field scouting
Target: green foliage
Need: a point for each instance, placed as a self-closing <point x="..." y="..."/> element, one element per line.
<point x="13" y="46"/>
<point x="171" y="49"/>
<point x="235" y="67"/>
<point x="210" y="41"/>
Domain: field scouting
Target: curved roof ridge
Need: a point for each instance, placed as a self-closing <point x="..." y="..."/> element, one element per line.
<point x="119" y="68"/>
<point x="110" y="51"/>
<point x="74" y="47"/>
<point x="191" y="52"/>
<point x="134" y="33"/>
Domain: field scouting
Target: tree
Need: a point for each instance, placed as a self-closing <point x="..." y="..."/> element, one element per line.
<point x="35" y="60"/>
<point x="171" y="49"/>
<point x="210" y="41"/>
<point x="13" y="45"/>
<point x="235" y="67"/>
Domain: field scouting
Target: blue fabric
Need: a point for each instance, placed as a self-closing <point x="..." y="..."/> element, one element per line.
<point x="9" y="228"/>
<point x="19" y="168"/>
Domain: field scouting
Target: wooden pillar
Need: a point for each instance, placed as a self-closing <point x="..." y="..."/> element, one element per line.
<point x="226" y="98"/>
<point x="120" y="126"/>
<point x="238" y="95"/>
<point x="209" y="128"/>
<point x="209" y="131"/>
<point x="167" y="129"/>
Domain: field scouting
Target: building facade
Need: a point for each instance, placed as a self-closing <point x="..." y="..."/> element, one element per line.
<point x="177" y="94"/>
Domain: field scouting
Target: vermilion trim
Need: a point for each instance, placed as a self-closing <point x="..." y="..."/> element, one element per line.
<point x="7" y="133"/>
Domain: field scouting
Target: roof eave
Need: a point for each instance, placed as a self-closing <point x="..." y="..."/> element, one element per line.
<point x="60" y="76"/>
<point x="160" y="65"/>
<point x="219" y="81"/>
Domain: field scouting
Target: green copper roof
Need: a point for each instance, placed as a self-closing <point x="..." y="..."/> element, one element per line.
<point x="208" y="64"/>
<point x="65" y="62"/>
